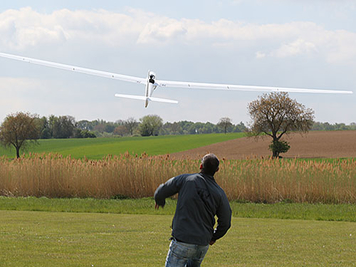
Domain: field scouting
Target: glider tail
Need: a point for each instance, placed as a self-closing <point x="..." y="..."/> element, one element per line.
<point x="147" y="99"/>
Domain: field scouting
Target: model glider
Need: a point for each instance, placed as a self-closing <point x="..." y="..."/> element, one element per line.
<point x="151" y="83"/>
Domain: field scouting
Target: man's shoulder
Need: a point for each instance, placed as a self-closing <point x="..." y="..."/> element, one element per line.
<point x="188" y="178"/>
<point x="187" y="175"/>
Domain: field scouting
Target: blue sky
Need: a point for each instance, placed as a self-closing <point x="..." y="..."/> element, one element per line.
<point x="289" y="43"/>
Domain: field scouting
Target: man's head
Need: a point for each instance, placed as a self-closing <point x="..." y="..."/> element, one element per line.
<point x="209" y="164"/>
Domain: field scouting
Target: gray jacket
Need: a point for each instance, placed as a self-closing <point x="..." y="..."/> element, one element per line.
<point x="200" y="198"/>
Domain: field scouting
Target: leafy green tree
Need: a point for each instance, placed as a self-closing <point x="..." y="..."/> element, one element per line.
<point x="239" y="128"/>
<point x="176" y="128"/>
<point x="19" y="130"/>
<point x="280" y="146"/>
<point x="186" y="125"/>
<point x="109" y="127"/>
<point x="150" y="125"/>
<point x="63" y="127"/>
<point x="275" y="115"/>
<point x="85" y="125"/>
<point x="78" y="133"/>
<point x="208" y="128"/>
<point x="44" y="128"/>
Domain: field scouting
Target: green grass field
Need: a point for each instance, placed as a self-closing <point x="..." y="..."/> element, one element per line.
<point x="293" y="211"/>
<point x="40" y="238"/>
<point x="98" y="148"/>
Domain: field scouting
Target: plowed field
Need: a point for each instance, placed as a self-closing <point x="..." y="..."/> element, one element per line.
<point x="318" y="144"/>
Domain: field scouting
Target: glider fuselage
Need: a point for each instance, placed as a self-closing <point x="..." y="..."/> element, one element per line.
<point x="150" y="86"/>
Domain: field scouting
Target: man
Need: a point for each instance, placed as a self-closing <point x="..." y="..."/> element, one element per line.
<point x="200" y="198"/>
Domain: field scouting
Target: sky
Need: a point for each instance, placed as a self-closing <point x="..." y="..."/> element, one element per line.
<point x="286" y="43"/>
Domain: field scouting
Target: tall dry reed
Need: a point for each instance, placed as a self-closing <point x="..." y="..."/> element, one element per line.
<point x="255" y="180"/>
<point x="270" y="181"/>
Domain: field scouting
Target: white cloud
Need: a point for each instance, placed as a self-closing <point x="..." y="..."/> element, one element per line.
<point x="259" y="55"/>
<point x="340" y="46"/>
<point x="297" y="47"/>
<point x="24" y="28"/>
<point x="162" y="31"/>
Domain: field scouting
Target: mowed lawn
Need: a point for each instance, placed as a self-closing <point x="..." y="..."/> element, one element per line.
<point x="97" y="148"/>
<point x="30" y="238"/>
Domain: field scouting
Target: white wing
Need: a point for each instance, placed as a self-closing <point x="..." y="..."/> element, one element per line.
<point x="77" y="69"/>
<point x="212" y="86"/>
<point x="171" y="83"/>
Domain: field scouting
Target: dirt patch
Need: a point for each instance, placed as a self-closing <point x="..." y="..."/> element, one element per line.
<point x="318" y="144"/>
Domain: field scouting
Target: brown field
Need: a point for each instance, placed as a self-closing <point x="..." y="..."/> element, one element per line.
<point x="318" y="144"/>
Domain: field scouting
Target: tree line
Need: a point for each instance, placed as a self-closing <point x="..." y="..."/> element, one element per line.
<point x="153" y="125"/>
<point x="59" y="127"/>
<point x="150" y="125"/>
<point x="325" y="126"/>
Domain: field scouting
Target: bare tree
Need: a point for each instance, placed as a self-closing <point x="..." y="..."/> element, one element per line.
<point x="19" y="130"/>
<point x="130" y="125"/>
<point x="120" y="130"/>
<point x="275" y="115"/>
<point x="225" y="123"/>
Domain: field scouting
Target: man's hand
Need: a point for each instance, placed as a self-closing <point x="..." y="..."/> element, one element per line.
<point x="156" y="206"/>
<point x="212" y="242"/>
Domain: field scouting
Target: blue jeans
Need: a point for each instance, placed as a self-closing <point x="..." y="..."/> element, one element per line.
<point x="185" y="255"/>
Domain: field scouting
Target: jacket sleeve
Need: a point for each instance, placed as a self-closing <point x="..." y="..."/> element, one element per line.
<point x="169" y="188"/>
<point x="224" y="219"/>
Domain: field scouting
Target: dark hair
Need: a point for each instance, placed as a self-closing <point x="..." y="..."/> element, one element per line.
<point x="210" y="164"/>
